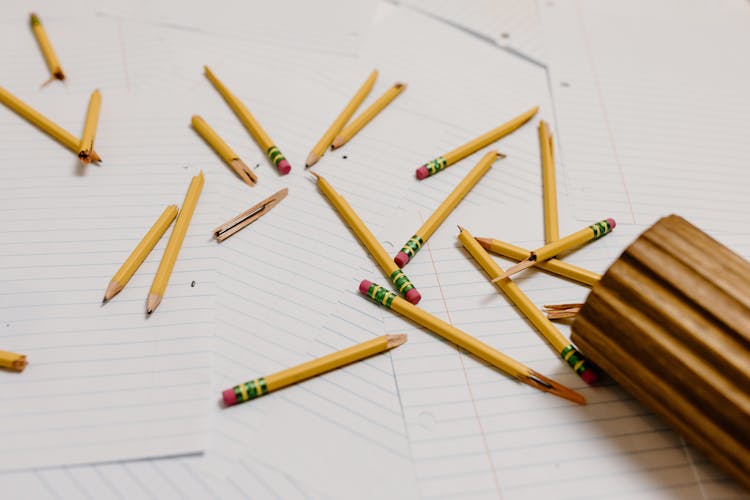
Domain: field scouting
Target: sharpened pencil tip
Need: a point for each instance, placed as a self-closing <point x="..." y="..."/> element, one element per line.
<point x="460" y="228"/>
<point x="311" y="160"/>
<point x="396" y="340"/>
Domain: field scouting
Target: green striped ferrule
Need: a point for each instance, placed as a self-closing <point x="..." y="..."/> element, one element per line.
<point x="601" y="228"/>
<point x="401" y="282"/>
<point x="250" y="390"/>
<point x="412" y="246"/>
<point x="381" y="295"/>
<point x="436" y="165"/>
<point x="574" y="359"/>
<point x="275" y="155"/>
<point x="35" y="20"/>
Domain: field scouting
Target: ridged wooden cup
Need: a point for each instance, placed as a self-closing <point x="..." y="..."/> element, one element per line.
<point x="670" y="322"/>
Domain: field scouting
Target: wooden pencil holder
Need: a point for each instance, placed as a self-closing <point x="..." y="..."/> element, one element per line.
<point x="670" y="322"/>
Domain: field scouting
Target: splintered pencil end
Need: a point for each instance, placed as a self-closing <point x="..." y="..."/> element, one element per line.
<point x="244" y="172"/>
<point x="152" y="302"/>
<point x="545" y="384"/>
<point x="514" y="269"/>
<point x="312" y="159"/>
<point x="396" y="340"/>
<point x="20" y="363"/>
<point x="317" y="176"/>
<point x="562" y="311"/>
<point x="460" y="228"/>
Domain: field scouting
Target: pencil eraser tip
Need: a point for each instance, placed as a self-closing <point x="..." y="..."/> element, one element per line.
<point x="401" y="259"/>
<point x="611" y="223"/>
<point x="589" y="376"/>
<point x="284" y="167"/>
<point x="364" y="286"/>
<point x="229" y="397"/>
<point x="413" y="296"/>
<point x="422" y="172"/>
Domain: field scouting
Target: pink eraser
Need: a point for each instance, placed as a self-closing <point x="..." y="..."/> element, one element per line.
<point x="422" y="172"/>
<point x="589" y="376"/>
<point x="401" y="259"/>
<point x="413" y="296"/>
<point x="364" y="286"/>
<point x="284" y="167"/>
<point x="229" y="397"/>
<point x="611" y="223"/>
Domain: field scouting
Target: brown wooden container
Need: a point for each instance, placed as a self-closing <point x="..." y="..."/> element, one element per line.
<point x="670" y="322"/>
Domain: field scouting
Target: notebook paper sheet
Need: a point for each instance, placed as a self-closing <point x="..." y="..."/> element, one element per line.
<point x="650" y="110"/>
<point x="104" y="382"/>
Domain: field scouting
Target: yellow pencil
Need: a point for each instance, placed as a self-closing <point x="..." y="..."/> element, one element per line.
<point x="554" y="266"/>
<point x="574" y="240"/>
<point x="48" y="52"/>
<point x="89" y="128"/>
<point x="367" y="115"/>
<point x="140" y="252"/>
<point x="465" y="341"/>
<point x="43" y="123"/>
<point x="169" y="258"/>
<point x="263" y="385"/>
<point x="562" y="345"/>
<point x="368" y="240"/>
<point x="252" y="125"/>
<point x="12" y="361"/>
<point x="224" y="151"/>
<point x="474" y="145"/>
<point x="340" y="121"/>
<point x="412" y="246"/>
<point x="551" y="230"/>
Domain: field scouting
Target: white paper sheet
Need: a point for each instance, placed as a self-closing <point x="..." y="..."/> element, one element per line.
<point x="651" y="110"/>
<point x="104" y="382"/>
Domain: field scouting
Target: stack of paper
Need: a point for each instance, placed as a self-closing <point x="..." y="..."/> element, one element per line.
<point x="107" y="385"/>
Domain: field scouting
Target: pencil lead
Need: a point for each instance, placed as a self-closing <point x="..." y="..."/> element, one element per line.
<point x="501" y="155"/>
<point x="460" y="228"/>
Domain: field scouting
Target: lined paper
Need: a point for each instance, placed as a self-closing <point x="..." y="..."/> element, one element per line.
<point x="513" y="24"/>
<point x="104" y="382"/>
<point x="651" y="120"/>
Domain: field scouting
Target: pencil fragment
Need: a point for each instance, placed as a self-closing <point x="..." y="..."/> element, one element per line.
<point x="53" y="64"/>
<point x="89" y="128"/>
<point x="12" y="361"/>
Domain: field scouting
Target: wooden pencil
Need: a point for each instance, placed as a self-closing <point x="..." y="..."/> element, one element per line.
<point x="263" y="385"/>
<point x="429" y="226"/>
<point x="89" y="127"/>
<point x="50" y="58"/>
<point x="573" y="240"/>
<point x="140" y="252"/>
<point x="224" y="151"/>
<point x="43" y="123"/>
<point x="12" y="361"/>
<point x="353" y="127"/>
<point x="319" y="149"/>
<point x="474" y="145"/>
<point x="159" y="285"/>
<point x="549" y="185"/>
<point x="544" y="326"/>
<point x="554" y="266"/>
<point x="252" y="125"/>
<point x="402" y="283"/>
<point x="242" y="220"/>
<point x="465" y="341"/>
